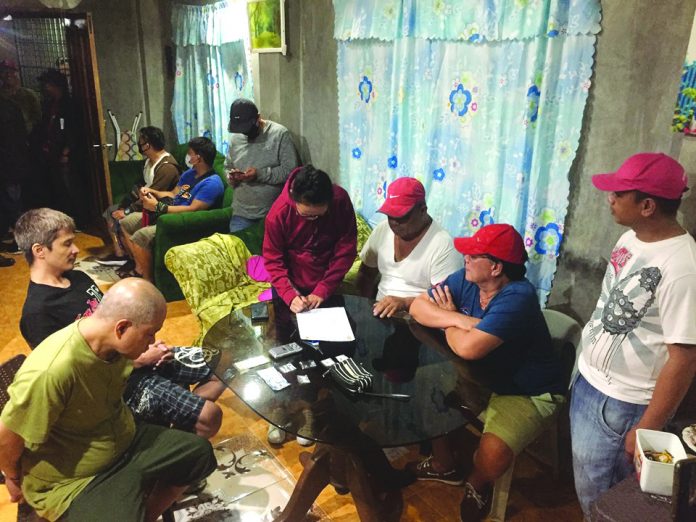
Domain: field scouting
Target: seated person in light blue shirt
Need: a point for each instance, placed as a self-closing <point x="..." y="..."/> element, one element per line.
<point x="199" y="188"/>
<point x="491" y="316"/>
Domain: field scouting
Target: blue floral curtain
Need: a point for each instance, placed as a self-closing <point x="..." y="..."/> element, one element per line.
<point x="480" y="100"/>
<point x="212" y="68"/>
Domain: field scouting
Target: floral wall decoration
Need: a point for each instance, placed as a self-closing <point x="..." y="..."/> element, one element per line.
<point x="481" y="101"/>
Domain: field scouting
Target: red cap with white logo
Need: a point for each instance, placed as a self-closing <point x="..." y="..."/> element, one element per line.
<point x="402" y="196"/>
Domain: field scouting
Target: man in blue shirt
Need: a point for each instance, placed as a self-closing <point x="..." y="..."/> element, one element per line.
<point x="199" y="188"/>
<point x="491" y="315"/>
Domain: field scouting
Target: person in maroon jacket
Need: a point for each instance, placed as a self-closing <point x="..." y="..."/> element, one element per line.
<point x="311" y="239"/>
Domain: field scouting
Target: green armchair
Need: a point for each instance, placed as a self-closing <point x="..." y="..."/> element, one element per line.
<point x="178" y="229"/>
<point x="124" y="174"/>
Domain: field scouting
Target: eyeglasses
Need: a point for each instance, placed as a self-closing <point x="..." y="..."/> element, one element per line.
<point x="309" y="217"/>
<point x="475" y="257"/>
<point x="315" y="212"/>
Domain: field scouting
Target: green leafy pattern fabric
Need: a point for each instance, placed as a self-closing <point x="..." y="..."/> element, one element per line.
<point x="212" y="275"/>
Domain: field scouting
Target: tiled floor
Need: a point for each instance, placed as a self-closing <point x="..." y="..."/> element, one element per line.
<point x="535" y="495"/>
<point x="249" y="484"/>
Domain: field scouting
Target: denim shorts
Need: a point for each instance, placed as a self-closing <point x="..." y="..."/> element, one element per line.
<point x="598" y="428"/>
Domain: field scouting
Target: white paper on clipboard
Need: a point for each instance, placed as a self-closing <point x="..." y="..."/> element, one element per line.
<point x="325" y="324"/>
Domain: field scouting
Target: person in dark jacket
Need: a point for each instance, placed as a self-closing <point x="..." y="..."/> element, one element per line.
<point x="160" y="172"/>
<point x="55" y="139"/>
<point x="310" y="240"/>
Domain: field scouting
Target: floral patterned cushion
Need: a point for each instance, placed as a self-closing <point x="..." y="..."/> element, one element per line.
<point x="212" y="275"/>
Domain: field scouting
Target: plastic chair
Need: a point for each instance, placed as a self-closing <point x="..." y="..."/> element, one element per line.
<point x="565" y="335"/>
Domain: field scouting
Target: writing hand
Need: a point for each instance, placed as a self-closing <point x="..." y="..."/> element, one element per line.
<point x="298" y="304"/>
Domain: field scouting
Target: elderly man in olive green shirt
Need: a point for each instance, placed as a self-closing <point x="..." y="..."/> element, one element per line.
<point x="68" y="443"/>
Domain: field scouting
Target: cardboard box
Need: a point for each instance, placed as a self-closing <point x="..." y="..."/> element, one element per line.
<point x="656" y="477"/>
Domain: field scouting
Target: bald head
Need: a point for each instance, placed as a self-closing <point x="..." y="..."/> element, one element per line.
<point x="133" y="299"/>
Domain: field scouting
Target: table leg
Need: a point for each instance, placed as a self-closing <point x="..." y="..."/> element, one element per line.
<point x="371" y="501"/>
<point x="315" y="477"/>
<point x="353" y="469"/>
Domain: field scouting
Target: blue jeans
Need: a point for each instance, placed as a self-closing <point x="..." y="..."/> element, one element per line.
<point x="238" y="223"/>
<point x="598" y="428"/>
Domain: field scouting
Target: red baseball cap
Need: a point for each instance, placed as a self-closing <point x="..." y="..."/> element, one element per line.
<point x="402" y="195"/>
<point x="499" y="240"/>
<point x="651" y="172"/>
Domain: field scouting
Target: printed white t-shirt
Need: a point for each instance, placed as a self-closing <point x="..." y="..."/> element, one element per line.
<point x="648" y="300"/>
<point x="433" y="259"/>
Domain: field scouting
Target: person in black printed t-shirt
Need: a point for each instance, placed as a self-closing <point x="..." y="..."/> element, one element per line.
<point x="158" y="388"/>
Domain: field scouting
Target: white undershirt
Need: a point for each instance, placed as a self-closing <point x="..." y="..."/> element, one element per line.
<point x="149" y="169"/>
<point x="430" y="262"/>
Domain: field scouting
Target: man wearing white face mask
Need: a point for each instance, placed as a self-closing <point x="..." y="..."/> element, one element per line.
<point x="259" y="161"/>
<point x="199" y="188"/>
<point x="160" y="172"/>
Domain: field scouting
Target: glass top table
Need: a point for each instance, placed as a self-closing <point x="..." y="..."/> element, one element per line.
<point x="404" y="358"/>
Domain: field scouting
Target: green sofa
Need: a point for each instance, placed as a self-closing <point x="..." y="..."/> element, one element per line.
<point x="179" y="229"/>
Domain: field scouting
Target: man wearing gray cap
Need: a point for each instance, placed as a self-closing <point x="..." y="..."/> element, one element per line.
<point x="260" y="158"/>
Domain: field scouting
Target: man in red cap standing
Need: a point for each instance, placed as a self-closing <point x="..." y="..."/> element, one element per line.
<point x="409" y="250"/>
<point x="639" y="348"/>
<point x="491" y="314"/>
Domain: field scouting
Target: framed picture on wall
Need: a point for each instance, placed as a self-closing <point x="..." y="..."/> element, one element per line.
<point x="267" y="25"/>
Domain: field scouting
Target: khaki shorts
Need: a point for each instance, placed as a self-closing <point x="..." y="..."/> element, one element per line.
<point x="518" y="419"/>
<point x="141" y="236"/>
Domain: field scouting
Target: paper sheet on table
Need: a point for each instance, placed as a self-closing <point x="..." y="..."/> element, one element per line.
<point x="325" y="324"/>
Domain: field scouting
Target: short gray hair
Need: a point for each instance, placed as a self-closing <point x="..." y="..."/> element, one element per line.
<point x="133" y="299"/>
<point x="40" y="226"/>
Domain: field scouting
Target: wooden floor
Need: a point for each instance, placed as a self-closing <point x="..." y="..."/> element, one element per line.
<point x="535" y="495"/>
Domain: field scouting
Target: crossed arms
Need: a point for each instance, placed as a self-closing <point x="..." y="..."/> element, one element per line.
<point x="439" y="311"/>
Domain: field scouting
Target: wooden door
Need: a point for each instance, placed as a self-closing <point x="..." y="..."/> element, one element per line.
<point x="85" y="75"/>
